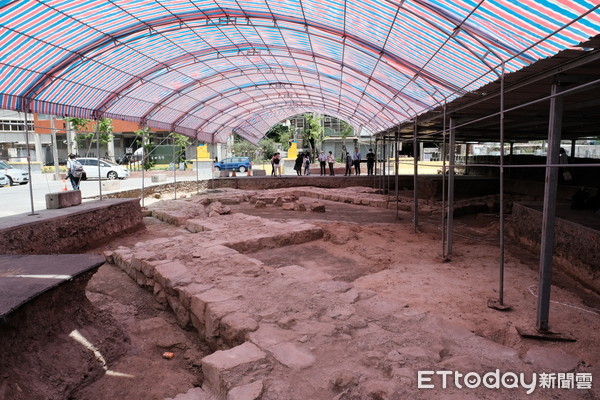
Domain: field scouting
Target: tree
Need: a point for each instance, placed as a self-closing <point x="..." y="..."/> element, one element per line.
<point x="83" y="136"/>
<point x="181" y="144"/>
<point x="279" y="133"/>
<point x="144" y="140"/>
<point x="346" y="129"/>
<point x="313" y="131"/>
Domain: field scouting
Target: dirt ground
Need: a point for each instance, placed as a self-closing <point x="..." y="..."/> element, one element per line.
<point x="373" y="251"/>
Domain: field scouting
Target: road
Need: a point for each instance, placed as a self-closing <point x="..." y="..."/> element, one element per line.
<point x="17" y="199"/>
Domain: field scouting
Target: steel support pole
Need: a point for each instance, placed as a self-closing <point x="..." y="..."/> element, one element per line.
<point x="396" y="170"/>
<point x="197" y="169"/>
<point x="501" y="244"/>
<point x="29" y="163"/>
<point x="98" y="155"/>
<point x="443" y="155"/>
<point x="174" y="167"/>
<point x="375" y="166"/>
<point x="54" y="149"/>
<point x="143" y="162"/>
<point x="548" y="219"/>
<point x="415" y="180"/>
<point x="450" y="224"/>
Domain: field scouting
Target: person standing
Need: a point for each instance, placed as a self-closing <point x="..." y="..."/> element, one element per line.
<point x="74" y="171"/>
<point x="277" y="164"/>
<point x="348" y="165"/>
<point x="370" y="162"/>
<point x="330" y="161"/>
<point x="307" y="163"/>
<point x="323" y="163"/>
<point x="356" y="157"/>
<point x="298" y="164"/>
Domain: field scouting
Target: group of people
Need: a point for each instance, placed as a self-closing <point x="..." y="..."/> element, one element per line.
<point x="302" y="163"/>
<point x="355" y="159"/>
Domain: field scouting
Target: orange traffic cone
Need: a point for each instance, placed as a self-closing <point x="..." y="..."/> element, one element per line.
<point x="233" y="173"/>
<point x="249" y="172"/>
<point x="64" y="185"/>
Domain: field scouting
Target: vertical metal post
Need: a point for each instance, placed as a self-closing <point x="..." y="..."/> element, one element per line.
<point x="29" y="162"/>
<point x="443" y="155"/>
<point x="450" y="224"/>
<point x="143" y="163"/>
<point x="396" y="170"/>
<point x="375" y="169"/>
<point x="174" y="167"/>
<point x="98" y="155"/>
<point x="501" y="212"/>
<point x="54" y="149"/>
<point x="573" y="148"/>
<point x="197" y="169"/>
<point x="415" y="179"/>
<point x="548" y="219"/>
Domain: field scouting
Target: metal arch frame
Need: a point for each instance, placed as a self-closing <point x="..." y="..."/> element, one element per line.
<point x="259" y="105"/>
<point x="250" y="99"/>
<point x="191" y="110"/>
<point x="48" y="75"/>
<point x="131" y="84"/>
<point x="255" y="100"/>
<point x="222" y="94"/>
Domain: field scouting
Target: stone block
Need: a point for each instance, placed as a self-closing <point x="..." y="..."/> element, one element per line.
<point x="170" y="274"/>
<point x="259" y="172"/>
<point x="64" y="199"/>
<point x="181" y="313"/>
<point x="298" y="206"/>
<point x="278" y="201"/>
<point x="225" y="369"/>
<point x="111" y="185"/>
<point x="215" y="312"/>
<point x="199" y="301"/>
<point x="260" y="204"/>
<point x="186" y="292"/>
<point x="235" y="326"/>
<point x="288" y="206"/>
<point x="317" y="207"/>
<point x="251" y="391"/>
<point x="158" y="178"/>
<point x="292" y="356"/>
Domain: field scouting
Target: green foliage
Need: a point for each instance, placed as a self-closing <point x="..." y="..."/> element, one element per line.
<point x="281" y="134"/>
<point x="83" y="137"/>
<point x="313" y="131"/>
<point x="181" y="143"/>
<point x="265" y="149"/>
<point x="144" y="139"/>
<point x="347" y="129"/>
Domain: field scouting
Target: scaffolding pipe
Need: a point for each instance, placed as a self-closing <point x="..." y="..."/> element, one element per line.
<point x="98" y="154"/>
<point x="143" y="166"/>
<point x="450" y="224"/>
<point x="197" y="170"/>
<point x="501" y="277"/>
<point x="549" y="214"/>
<point x="415" y="180"/>
<point x="397" y="179"/>
<point x="174" y="168"/>
<point x="444" y="150"/>
<point x="29" y="163"/>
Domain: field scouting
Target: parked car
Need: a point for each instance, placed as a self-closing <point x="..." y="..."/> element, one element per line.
<point x="241" y="164"/>
<point x="108" y="169"/>
<point x="15" y="175"/>
<point x="4" y="180"/>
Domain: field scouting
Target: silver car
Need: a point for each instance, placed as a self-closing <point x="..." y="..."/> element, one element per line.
<point x="3" y="180"/>
<point x="15" y="175"/>
<point x="108" y="169"/>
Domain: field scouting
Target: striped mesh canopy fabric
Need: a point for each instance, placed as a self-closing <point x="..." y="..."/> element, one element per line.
<point x="207" y="68"/>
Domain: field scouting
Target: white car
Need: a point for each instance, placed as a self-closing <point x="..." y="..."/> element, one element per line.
<point x="108" y="169"/>
<point x="4" y="180"/>
<point x="15" y="175"/>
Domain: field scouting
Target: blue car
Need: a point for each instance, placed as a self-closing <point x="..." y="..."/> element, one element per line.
<point x="241" y="164"/>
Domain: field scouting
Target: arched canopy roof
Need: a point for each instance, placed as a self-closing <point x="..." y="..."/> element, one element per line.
<point x="205" y="68"/>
